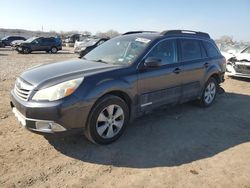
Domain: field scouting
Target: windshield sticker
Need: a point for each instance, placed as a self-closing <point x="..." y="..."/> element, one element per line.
<point x="143" y="40"/>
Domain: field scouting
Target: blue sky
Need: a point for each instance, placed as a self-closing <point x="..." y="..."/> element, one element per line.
<point x="218" y="17"/>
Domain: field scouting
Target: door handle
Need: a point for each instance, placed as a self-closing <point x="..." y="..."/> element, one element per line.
<point x="177" y="70"/>
<point x="206" y="65"/>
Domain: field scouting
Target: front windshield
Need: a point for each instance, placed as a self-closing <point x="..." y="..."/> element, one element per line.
<point x="123" y="50"/>
<point x="31" y="39"/>
<point x="4" y="38"/>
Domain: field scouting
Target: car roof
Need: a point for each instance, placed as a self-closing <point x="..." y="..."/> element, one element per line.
<point x="170" y="34"/>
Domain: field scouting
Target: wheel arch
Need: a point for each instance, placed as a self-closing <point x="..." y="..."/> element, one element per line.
<point x="118" y="93"/>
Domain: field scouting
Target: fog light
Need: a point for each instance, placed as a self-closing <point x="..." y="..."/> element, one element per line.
<point x="49" y="126"/>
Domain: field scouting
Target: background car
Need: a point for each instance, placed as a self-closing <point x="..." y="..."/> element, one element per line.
<point x="71" y="39"/>
<point x="81" y="42"/>
<point x="50" y="44"/>
<point x="86" y="47"/>
<point x="15" y="43"/>
<point x="243" y="55"/>
<point x="239" y="64"/>
<point x="6" y="41"/>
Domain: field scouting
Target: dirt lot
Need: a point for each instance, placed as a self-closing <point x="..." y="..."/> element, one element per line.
<point x="183" y="146"/>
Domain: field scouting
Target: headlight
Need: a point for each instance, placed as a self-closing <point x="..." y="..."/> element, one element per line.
<point x="58" y="91"/>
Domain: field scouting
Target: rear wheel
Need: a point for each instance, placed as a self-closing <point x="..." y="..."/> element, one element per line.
<point x="107" y="120"/>
<point x="209" y="92"/>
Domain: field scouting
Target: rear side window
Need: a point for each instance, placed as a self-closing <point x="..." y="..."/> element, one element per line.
<point x="211" y="49"/>
<point x="49" y="40"/>
<point x="190" y="50"/>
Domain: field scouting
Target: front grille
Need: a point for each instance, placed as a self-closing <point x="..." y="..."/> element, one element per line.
<point x="22" y="89"/>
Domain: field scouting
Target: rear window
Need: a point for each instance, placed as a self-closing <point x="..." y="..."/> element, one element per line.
<point x="48" y="40"/>
<point x="211" y="49"/>
<point x="190" y="50"/>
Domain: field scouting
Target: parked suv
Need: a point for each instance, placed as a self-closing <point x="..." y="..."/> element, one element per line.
<point x="50" y="44"/>
<point x="7" y="40"/>
<point x="118" y="81"/>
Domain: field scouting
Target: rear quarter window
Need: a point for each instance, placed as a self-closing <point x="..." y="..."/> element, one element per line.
<point x="211" y="49"/>
<point x="190" y="50"/>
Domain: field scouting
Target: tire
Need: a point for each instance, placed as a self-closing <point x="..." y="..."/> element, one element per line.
<point x="107" y="120"/>
<point x="209" y="93"/>
<point x="53" y="50"/>
<point x="26" y="50"/>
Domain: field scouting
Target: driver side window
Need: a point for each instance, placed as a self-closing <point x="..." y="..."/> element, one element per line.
<point x="166" y="51"/>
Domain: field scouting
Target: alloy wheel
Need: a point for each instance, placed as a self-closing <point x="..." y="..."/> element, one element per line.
<point x="110" y="121"/>
<point x="210" y="92"/>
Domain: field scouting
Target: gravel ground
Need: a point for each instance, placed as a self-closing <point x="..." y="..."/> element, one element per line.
<point x="182" y="146"/>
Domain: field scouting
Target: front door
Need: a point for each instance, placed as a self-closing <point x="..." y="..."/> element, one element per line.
<point x="160" y="85"/>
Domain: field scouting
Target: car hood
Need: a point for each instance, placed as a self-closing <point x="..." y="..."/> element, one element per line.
<point x="25" y="42"/>
<point x="242" y="56"/>
<point x="17" y="41"/>
<point x="62" y="71"/>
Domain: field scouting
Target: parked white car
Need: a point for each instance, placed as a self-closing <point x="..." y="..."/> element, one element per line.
<point x="239" y="64"/>
<point x="80" y="43"/>
<point x="244" y="55"/>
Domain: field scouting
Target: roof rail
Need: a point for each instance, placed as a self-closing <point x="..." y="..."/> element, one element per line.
<point x="135" y="32"/>
<point x="185" y="32"/>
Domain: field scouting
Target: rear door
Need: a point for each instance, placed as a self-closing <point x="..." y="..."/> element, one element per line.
<point x="194" y="61"/>
<point x="46" y="44"/>
<point x="160" y="85"/>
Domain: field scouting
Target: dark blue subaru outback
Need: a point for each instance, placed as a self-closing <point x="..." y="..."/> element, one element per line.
<point x="118" y="81"/>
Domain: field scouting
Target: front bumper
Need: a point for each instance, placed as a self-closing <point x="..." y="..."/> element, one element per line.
<point x="43" y="126"/>
<point x="51" y="117"/>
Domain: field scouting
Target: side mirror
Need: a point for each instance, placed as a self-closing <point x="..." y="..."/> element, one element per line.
<point x="152" y="62"/>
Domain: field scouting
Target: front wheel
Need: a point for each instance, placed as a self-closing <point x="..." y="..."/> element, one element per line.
<point x="107" y="120"/>
<point x="26" y="50"/>
<point x="53" y="50"/>
<point x="209" y="93"/>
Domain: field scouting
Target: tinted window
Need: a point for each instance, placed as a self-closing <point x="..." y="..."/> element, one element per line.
<point x="203" y="52"/>
<point x="48" y="40"/>
<point x="190" y="49"/>
<point x="123" y="50"/>
<point x="211" y="50"/>
<point x="166" y="51"/>
<point x="20" y="38"/>
<point x="39" y="40"/>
